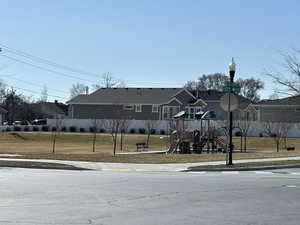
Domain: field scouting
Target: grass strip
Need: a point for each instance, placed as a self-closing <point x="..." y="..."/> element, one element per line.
<point x="36" y="165"/>
<point x="250" y="165"/>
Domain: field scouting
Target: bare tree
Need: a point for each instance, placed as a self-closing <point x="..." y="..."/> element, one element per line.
<point x="244" y="124"/>
<point x="214" y="81"/>
<point x="286" y="130"/>
<point x="250" y="87"/>
<point x="276" y="130"/>
<point x="109" y="81"/>
<point x="96" y="125"/>
<point x="56" y="131"/>
<point x="123" y="129"/>
<point x="2" y="90"/>
<point x="150" y="126"/>
<point x="77" y="89"/>
<point x="114" y="127"/>
<point x="44" y="94"/>
<point x="289" y="79"/>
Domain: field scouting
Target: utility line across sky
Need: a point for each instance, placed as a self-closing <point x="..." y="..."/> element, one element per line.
<point x="48" y="70"/>
<point x="33" y="84"/>
<point x="36" y="92"/>
<point x="68" y="68"/>
<point x="46" y="61"/>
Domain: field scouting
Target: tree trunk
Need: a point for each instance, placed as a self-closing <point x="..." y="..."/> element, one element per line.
<point x="115" y="146"/>
<point x="54" y="142"/>
<point x="148" y="137"/>
<point x="94" y="141"/>
<point x="285" y="142"/>
<point x="277" y="145"/>
<point x="245" y="143"/>
<point x="115" y="142"/>
<point x="241" y="143"/>
<point x="121" y="142"/>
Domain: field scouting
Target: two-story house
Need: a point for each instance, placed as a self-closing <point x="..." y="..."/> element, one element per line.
<point x="146" y="103"/>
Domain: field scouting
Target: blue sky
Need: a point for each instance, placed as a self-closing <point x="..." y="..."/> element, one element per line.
<point x="158" y="43"/>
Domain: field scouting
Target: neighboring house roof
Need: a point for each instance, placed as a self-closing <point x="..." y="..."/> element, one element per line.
<point x="49" y="108"/>
<point x="127" y="96"/>
<point x="215" y="96"/>
<point x="289" y="101"/>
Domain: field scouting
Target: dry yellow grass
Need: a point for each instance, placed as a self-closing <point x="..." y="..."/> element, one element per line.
<point x="78" y="146"/>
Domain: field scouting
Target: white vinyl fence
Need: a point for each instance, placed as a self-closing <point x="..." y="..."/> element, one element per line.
<point x="163" y="126"/>
<point x="136" y="126"/>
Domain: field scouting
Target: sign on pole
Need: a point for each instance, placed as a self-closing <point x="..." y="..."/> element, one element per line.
<point x="234" y="102"/>
<point x="231" y="87"/>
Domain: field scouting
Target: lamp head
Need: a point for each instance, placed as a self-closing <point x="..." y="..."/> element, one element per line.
<point x="232" y="65"/>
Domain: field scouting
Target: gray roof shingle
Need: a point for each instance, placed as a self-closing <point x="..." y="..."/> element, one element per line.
<point x="214" y="95"/>
<point x="294" y="100"/>
<point x="127" y="96"/>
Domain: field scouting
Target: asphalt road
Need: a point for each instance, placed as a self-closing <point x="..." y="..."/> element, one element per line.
<point x="36" y="197"/>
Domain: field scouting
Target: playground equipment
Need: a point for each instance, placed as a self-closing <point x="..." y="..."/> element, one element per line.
<point x="206" y="139"/>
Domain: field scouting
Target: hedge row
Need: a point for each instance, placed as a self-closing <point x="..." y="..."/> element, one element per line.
<point x="76" y="129"/>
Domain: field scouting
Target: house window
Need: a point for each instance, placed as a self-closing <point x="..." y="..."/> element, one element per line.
<point x="165" y="112"/>
<point x="154" y="108"/>
<point x="138" y="108"/>
<point x="170" y="111"/>
<point x="191" y="111"/>
<point x="128" y="107"/>
<point x="198" y="109"/>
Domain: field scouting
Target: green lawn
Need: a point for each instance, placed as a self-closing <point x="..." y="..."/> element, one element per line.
<point x="250" y="165"/>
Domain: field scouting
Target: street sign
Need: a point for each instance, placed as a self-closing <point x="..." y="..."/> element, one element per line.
<point x="231" y="87"/>
<point x="234" y="102"/>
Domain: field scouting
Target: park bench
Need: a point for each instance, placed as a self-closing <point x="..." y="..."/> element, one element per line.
<point x="141" y="145"/>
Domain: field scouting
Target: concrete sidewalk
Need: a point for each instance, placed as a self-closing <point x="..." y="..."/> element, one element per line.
<point x="171" y="167"/>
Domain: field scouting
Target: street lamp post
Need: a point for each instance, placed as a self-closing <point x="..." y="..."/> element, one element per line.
<point x="231" y="74"/>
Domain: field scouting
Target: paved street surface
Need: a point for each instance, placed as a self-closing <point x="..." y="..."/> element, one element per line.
<point x="129" y="167"/>
<point x="34" y="197"/>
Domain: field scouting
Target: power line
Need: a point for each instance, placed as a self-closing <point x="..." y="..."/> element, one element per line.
<point x="35" y="85"/>
<point x="35" y="92"/>
<point x="48" y="70"/>
<point x="60" y="66"/>
<point x="46" y="61"/>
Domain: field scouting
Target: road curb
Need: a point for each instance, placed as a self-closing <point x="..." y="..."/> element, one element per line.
<point x="242" y="169"/>
<point x="46" y="167"/>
